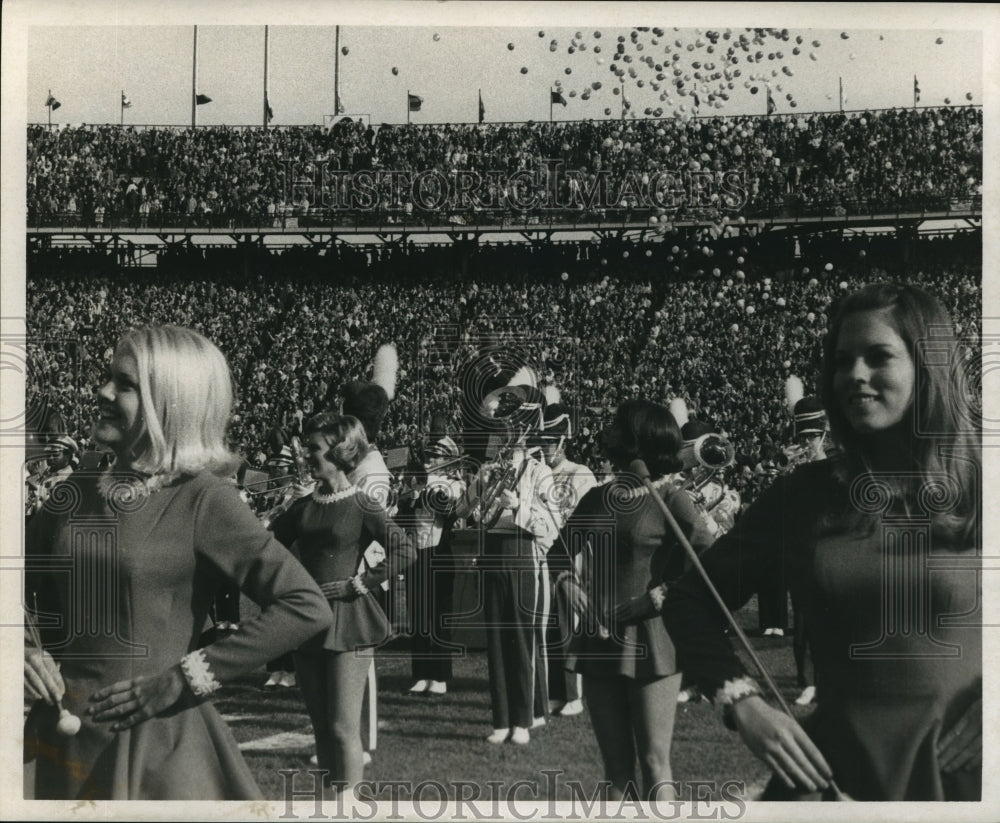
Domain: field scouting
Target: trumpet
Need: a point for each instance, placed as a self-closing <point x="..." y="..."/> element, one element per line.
<point x="502" y="474"/>
<point x="791" y="456"/>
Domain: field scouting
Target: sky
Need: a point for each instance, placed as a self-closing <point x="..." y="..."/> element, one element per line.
<point x="87" y="67"/>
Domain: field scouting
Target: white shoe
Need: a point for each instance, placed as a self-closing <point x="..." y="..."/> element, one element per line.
<point x="692" y="694"/>
<point x="778" y="632"/>
<point x="571" y="708"/>
<point x="808" y="696"/>
<point x="498" y="736"/>
<point x="272" y="681"/>
<point x="437" y="687"/>
<point x="366" y="759"/>
<point x="555" y="706"/>
<point x="537" y="723"/>
<point x="768" y="632"/>
<point x="287" y="680"/>
<point x="520" y="736"/>
<point x="419" y="687"/>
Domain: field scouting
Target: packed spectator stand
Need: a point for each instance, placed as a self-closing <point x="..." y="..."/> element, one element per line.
<point x="720" y="324"/>
<point x="927" y="159"/>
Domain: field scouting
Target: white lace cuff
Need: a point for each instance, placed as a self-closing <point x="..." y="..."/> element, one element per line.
<point x="733" y="691"/>
<point x="657" y="596"/>
<point x="198" y="673"/>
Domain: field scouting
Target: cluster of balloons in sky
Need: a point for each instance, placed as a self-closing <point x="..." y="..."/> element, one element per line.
<point x="689" y="72"/>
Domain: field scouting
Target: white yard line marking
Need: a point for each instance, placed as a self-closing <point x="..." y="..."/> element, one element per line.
<point x="244" y="718"/>
<point x="283" y="741"/>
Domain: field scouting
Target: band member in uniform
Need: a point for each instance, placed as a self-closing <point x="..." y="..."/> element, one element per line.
<point x="811" y="428"/>
<point x="717" y="502"/>
<point x="431" y="579"/>
<point x="519" y="529"/>
<point x="329" y="530"/>
<point x="369" y="403"/>
<point x="570" y="482"/>
<point x="63" y="459"/>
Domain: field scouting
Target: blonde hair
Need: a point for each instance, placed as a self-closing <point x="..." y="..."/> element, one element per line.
<point x="186" y="396"/>
<point x="348" y="443"/>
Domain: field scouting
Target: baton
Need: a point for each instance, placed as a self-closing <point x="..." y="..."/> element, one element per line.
<point x="638" y="468"/>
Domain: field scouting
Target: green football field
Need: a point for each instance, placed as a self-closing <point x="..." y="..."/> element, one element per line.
<point x="442" y="740"/>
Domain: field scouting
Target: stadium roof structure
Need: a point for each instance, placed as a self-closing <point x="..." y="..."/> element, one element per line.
<point x="327" y="229"/>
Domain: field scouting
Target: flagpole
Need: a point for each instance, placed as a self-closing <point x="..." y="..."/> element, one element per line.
<point x="336" y="73"/>
<point x="840" y="80"/>
<point x="48" y="105"/>
<point x="265" y="76"/>
<point x="194" y="82"/>
<point x="121" y="119"/>
<point x="407" y="107"/>
<point x="914" y="91"/>
<point x="550" y="104"/>
<point x="623" y="97"/>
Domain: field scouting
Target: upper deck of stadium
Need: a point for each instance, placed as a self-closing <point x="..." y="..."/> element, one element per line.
<point x="820" y="170"/>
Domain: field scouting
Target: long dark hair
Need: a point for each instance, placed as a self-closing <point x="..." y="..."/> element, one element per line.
<point x="942" y="424"/>
<point x="645" y="430"/>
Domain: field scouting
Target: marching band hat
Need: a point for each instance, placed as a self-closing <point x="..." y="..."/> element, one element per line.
<point x="695" y="428"/>
<point x="442" y="447"/>
<point x="68" y="443"/>
<point x="368" y="402"/>
<point x="809" y="416"/>
<point x="556" y="422"/>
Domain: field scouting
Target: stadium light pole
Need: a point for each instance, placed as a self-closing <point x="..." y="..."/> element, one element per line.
<point x="265" y="76"/>
<point x="194" y="82"/>
<point x="336" y="73"/>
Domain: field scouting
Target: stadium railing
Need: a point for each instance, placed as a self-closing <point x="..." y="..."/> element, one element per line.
<point x="319" y="220"/>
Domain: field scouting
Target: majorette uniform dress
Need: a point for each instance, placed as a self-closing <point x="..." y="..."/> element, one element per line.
<point x="329" y="534"/>
<point x="895" y="624"/>
<point x="125" y="587"/>
<point x="630" y="549"/>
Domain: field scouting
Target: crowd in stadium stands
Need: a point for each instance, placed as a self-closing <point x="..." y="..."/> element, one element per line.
<point x="722" y="326"/>
<point x="221" y="176"/>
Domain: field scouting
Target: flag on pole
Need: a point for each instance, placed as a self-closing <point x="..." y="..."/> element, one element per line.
<point x="482" y="108"/>
<point x="414" y="102"/>
<point x="340" y="107"/>
<point x="126" y="103"/>
<point x="771" y="105"/>
<point x="916" y="91"/>
<point x="267" y="107"/>
<point x="52" y="103"/>
<point x="202" y="99"/>
<point x="557" y="97"/>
